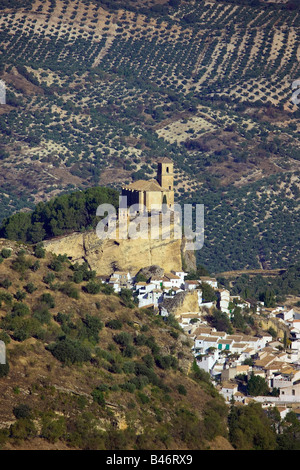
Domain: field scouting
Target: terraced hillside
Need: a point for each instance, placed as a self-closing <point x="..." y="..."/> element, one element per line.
<point x="96" y="92"/>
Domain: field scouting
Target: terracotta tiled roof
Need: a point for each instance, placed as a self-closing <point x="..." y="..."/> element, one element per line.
<point x="171" y="276"/>
<point x="164" y="160"/>
<point x="143" y="185"/>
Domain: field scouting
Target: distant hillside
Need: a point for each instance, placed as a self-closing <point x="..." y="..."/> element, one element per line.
<point x="98" y="91"/>
<point x="89" y="370"/>
<point x="271" y="287"/>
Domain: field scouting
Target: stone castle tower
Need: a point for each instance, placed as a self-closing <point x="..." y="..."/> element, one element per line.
<point x="159" y="191"/>
<point x="165" y="175"/>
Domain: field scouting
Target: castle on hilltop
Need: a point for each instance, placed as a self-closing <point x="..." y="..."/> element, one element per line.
<point x="154" y="191"/>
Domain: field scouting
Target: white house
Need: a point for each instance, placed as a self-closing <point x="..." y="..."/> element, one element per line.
<point x="228" y="391"/>
<point x="209" y="280"/>
<point x="285" y="380"/>
<point x="181" y="275"/>
<point x="229" y="373"/>
<point x="203" y="343"/>
<point x="255" y="342"/>
<point x="123" y="276"/>
<point x="223" y="300"/>
<point x="150" y="298"/>
<point x="191" y="285"/>
<point x="120" y="279"/>
<point x="208" y="361"/>
<point x="144" y="287"/>
<point x="115" y="283"/>
<point x="172" y="280"/>
<point x="290" y="393"/>
<point x="286" y="315"/>
<point x="266" y="339"/>
<point x="158" y="282"/>
<point x="185" y="318"/>
<point x="225" y="344"/>
<point x="294" y="324"/>
<point x="247" y="353"/>
<point x="238" y="347"/>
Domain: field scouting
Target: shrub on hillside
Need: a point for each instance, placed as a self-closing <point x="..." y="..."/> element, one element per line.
<point x="166" y="362"/>
<point x="69" y="351"/>
<point x="21" y="263"/>
<point x="48" y="299"/>
<point x="39" y="251"/>
<point x="69" y="289"/>
<point x="53" y="427"/>
<point x="5" y="283"/>
<point x="30" y="288"/>
<point x="91" y="326"/>
<point x="4" y="370"/>
<point x="92" y="287"/>
<point x="5" y="253"/>
<point x="114" y="324"/>
<point x="20" y="310"/>
<point x="22" y="411"/>
<point x="42" y="314"/>
<point x="124" y="339"/>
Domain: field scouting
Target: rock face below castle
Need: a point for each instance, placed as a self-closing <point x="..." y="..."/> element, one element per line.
<point x="182" y="302"/>
<point x="106" y="256"/>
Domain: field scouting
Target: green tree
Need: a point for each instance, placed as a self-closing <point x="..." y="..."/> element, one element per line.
<point x="208" y="293"/>
<point x="23" y="429"/>
<point x="36" y="233"/>
<point x="250" y="428"/>
<point x="269" y="299"/>
<point x="53" y="428"/>
<point x="39" y="251"/>
<point x="21" y="263"/>
<point x="289" y="436"/>
<point x="70" y="351"/>
<point x="126" y="296"/>
<point x="257" y="386"/>
<point x="92" y="287"/>
<point x="5" y="252"/>
<point x="16" y="226"/>
<point x="4" y="369"/>
<point x="220" y="321"/>
<point x="22" y="411"/>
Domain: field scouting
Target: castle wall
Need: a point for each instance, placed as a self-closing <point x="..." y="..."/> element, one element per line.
<point x="153" y="197"/>
<point x="132" y="197"/>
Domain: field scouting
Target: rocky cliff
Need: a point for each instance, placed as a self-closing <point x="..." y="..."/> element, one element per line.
<point x="106" y="256"/>
<point x="182" y="302"/>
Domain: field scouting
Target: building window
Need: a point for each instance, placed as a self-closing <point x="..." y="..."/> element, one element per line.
<point x="170" y="187"/>
<point x="293" y="392"/>
<point x="167" y="169"/>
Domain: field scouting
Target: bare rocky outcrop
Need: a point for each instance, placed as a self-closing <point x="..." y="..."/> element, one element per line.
<point x="153" y="271"/>
<point x="106" y="256"/>
<point x="182" y="302"/>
